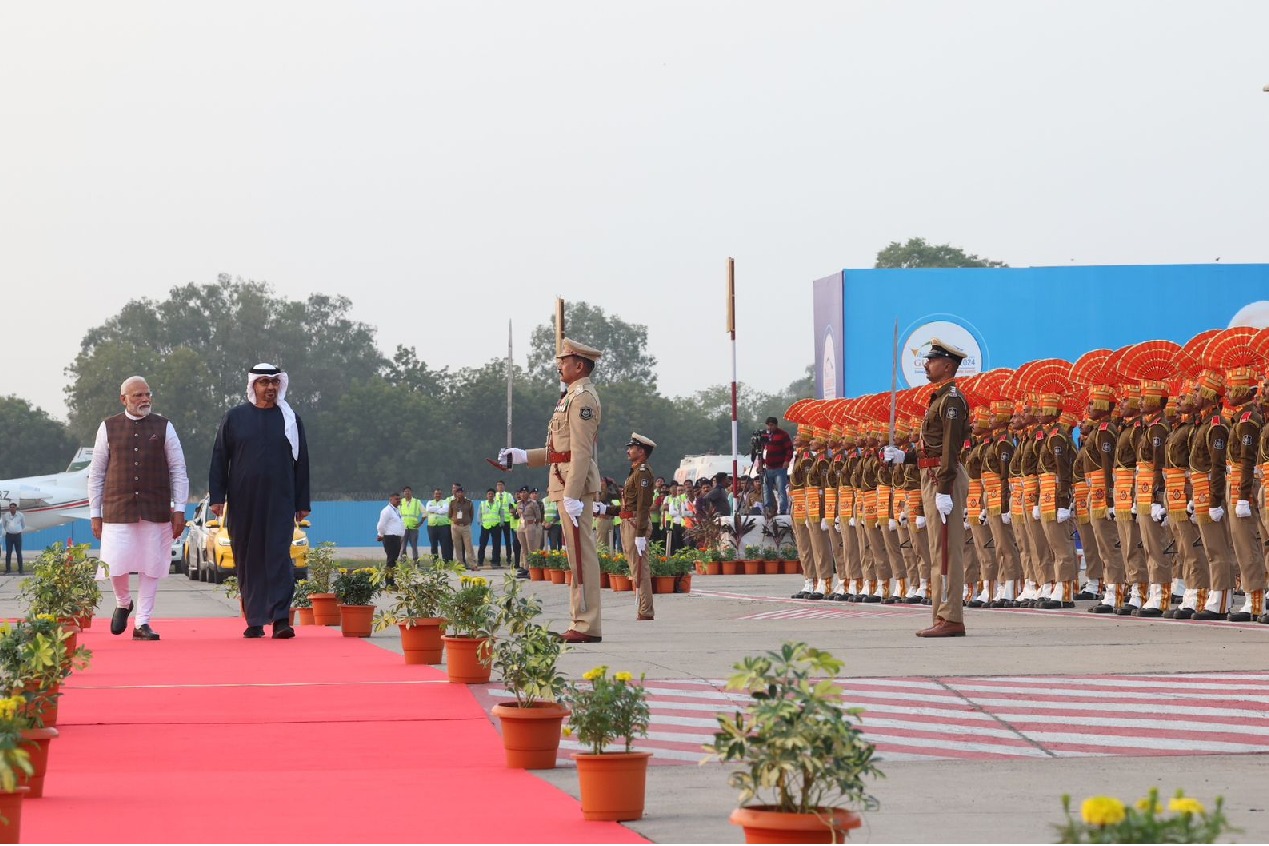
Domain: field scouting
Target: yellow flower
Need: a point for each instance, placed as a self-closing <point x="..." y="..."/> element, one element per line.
<point x="597" y="673"/>
<point x="1102" y="810"/>
<point x="1186" y="805"/>
<point x="623" y="676"/>
<point x="567" y="732"/>
<point x="8" y="708"/>
<point x="343" y="571"/>
<point x="1143" y="805"/>
<point x="46" y="617"/>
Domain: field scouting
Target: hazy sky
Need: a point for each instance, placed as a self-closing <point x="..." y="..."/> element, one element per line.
<point x="446" y="163"/>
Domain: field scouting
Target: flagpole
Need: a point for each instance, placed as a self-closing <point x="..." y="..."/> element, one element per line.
<point x="731" y="329"/>
<point x="510" y="373"/>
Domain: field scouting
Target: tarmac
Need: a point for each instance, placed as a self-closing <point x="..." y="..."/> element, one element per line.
<point x="702" y="635"/>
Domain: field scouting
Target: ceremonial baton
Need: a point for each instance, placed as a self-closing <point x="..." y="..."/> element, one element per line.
<point x="943" y="563"/>
<point x="577" y="554"/>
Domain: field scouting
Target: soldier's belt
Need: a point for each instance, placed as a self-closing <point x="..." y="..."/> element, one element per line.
<point x="626" y="515"/>
<point x="927" y="463"/>
<point x="558" y="457"/>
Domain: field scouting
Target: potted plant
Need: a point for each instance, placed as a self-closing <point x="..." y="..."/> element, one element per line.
<point x="771" y="561"/>
<point x="789" y="562"/>
<point x="556" y="566"/>
<point x="301" y="604"/>
<point x="15" y="764"/>
<point x="525" y="656"/>
<point x="355" y="591"/>
<point x="417" y="599"/>
<point x="803" y="753"/>
<point x="230" y="587"/>
<point x="1105" y="819"/>
<point x="471" y="619"/>
<point x="537" y="565"/>
<point x="752" y="560"/>
<point x="36" y="655"/>
<point x="682" y="567"/>
<point x="62" y="583"/>
<point x="664" y="572"/>
<point x="727" y="558"/>
<point x="619" y="578"/>
<point x="612" y="783"/>
<point x="321" y="569"/>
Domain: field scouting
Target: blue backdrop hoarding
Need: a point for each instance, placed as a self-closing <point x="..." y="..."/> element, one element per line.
<point x="1005" y="317"/>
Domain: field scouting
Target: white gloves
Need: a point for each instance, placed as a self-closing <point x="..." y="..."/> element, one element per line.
<point x="837" y="523"/>
<point x="824" y="524"/>
<point x="518" y="456"/>
<point x="1242" y="508"/>
<point x="597" y="507"/>
<point x="1157" y="512"/>
<point x="1006" y="518"/>
<point x="1133" y="510"/>
<point x="920" y="522"/>
<point x="573" y="508"/>
<point x="1216" y="514"/>
<point x="1110" y="515"/>
<point x="641" y="545"/>
<point x="1189" y="507"/>
<point x="893" y="455"/>
<point x="1035" y="512"/>
<point x="982" y="517"/>
<point x="894" y="524"/>
<point x="1063" y="514"/>
<point x="943" y="502"/>
<point x="851" y="523"/>
<point x="966" y="522"/>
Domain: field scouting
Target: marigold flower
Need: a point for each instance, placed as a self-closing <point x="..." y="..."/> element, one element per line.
<point x="1186" y="805"/>
<point x="1102" y="810"/>
<point x="46" y="617"/>
<point x="596" y="673"/>
<point x="1143" y="805"/>
<point x="623" y="676"/>
<point x="566" y="731"/>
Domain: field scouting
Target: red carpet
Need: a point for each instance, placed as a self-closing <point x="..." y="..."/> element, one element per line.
<point x="207" y="737"/>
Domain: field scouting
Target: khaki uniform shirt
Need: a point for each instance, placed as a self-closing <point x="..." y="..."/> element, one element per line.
<point x="636" y="499"/>
<point x="570" y="444"/>
<point x="943" y="431"/>
<point x="1244" y="435"/>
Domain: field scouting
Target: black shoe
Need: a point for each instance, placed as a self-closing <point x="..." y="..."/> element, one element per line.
<point x="802" y="594"/>
<point x="1263" y="618"/>
<point x="282" y="630"/>
<point x="119" y="621"/>
<point x="144" y="632"/>
<point x="1240" y="617"/>
<point x="975" y="603"/>
<point x="1208" y="615"/>
<point x="254" y="631"/>
<point x="872" y="597"/>
<point x="522" y="574"/>
<point x="1050" y="604"/>
<point x="1125" y="610"/>
<point x="1086" y="594"/>
<point x="815" y="594"/>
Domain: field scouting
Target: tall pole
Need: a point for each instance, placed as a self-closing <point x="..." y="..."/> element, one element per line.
<point x="894" y="379"/>
<point x="559" y="334"/>
<point x="731" y="329"/>
<point x="510" y="373"/>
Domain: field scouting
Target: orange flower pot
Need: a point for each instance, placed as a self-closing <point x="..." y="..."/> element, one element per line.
<point x="85" y="620"/>
<point x="304" y="616"/>
<point x="771" y="567"/>
<point x="762" y="825"/>
<point x="730" y="568"/>
<point x="683" y="584"/>
<point x="42" y="708"/>
<point x="568" y="577"/>
<point x="462" y="663"/>
<point x="36" y="742"/>
<point x="11" y="809"/>
<point x="537" y="574"/>
<point x="325" y="609"/>
<point x="421" y="640"/>
<point x="531" y="736"/>
<point x="604" y="580"/>
<point x="791" y="568"/>
<point x="555" y="576"/>
<point x="620" y="583"/>
<point x="613" y="784"/>
<point x="713" y="568"/>
<point x="663" y="584"/>
<point x="752" y="566"/>
<point x="356" y="620"/>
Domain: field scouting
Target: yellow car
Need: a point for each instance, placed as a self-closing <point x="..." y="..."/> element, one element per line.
<point x="212" y="558"/>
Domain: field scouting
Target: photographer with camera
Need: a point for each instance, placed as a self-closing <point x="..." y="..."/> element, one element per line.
<point x="771" y="452"/>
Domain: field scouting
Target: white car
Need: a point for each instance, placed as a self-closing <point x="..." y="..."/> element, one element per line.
<point x="178" y="562"/>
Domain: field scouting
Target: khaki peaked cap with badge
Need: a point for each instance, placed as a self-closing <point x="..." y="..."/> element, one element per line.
<point x="636" y="494"/>
<point x="641" y="440"/>
<point x="571" y="435"/>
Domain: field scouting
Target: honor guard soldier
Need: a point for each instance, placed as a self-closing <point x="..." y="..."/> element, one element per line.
<point x="798" y="471"/>
<point x="944" y="486"/>
<point x="1055" y="454"/>
<point x="1177" y="494"/>
<point x="636" y="521"/>
<point x="1207" y="482"/>
<point x="574" y="481"/>
<point x="996" y="492"/>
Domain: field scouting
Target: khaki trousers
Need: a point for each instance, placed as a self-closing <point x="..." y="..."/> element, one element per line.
<point x="850" y="565"/>
<point x="953" y="584"/>
<point x="880" y="556"/>
<point x="911" y="561"/>
<point x="532" y="539"/>
<point x="1008" y="563"/>
<point x="822" y="552"/>
<point x="1041" y="550"/>
<point x="866" y="566"/>
<point x="1105" y="536"/>
<point x="1220" y="559"/>
<point x="603" y="528"/>
<point x="1154" y="540"/>
<point x="1066" y="566"/>
<point x="1094" y="569"/>
<point x="1130" y="548"/>
<point x="461" y="536"/>
<point x="1190" y="558"/>
<point x="802" y="540"/>
<point x="579" y="544"/>
<point x="1250" y="553"/>
<point x="894" y="553"/>
<point x="983" y="542"/>
<point x="921" y="543"/>
<point x="643" y="578"/>
<point x="839" y="556"/>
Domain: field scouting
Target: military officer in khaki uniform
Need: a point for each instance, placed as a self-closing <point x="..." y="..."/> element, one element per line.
<point x="636" y="522"/>
<point x="574" y="481"/>
<point x="944" y="486"/>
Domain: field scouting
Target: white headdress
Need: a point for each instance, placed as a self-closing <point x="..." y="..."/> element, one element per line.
<point x="288" y="416"/>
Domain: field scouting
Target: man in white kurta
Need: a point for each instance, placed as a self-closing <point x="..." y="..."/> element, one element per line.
<point x="137" y="489"/>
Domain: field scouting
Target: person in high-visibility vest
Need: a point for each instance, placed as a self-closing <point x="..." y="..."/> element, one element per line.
<point x="490" y="529"/>
<point x="517" y="527"/>
<point x="412" y="515"/>
<point x="505" y="502"/>
<point x="438" y="532"/>
<point x="554" y="534"/>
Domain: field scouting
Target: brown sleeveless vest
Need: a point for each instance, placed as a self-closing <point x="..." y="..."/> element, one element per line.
<point x="138" y="486"/>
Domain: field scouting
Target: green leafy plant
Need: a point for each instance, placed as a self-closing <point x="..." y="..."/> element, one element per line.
<point x="300" y="599"/>
<point x="357" y="587"/>
<point x="14" y="760"/>
<point x="526" y="653"/>
<point x="469" y="611"/>
<point x="63" y="582"/>
<point x="35" y="656"/>
<point x="321" y="567"/>
<point x="801" y="747"/>
<point x="230" y="587"/>
<point x="610" y="707"/>
<point x="1105" y="819"/>
<point x="707" y="533"/>
<point x="420" y="592"/>
<point x="777" y="532"/>
<point x="735" y="529"/>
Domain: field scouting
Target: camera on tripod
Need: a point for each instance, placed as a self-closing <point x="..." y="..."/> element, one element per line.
<point x="757" y="441"/>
